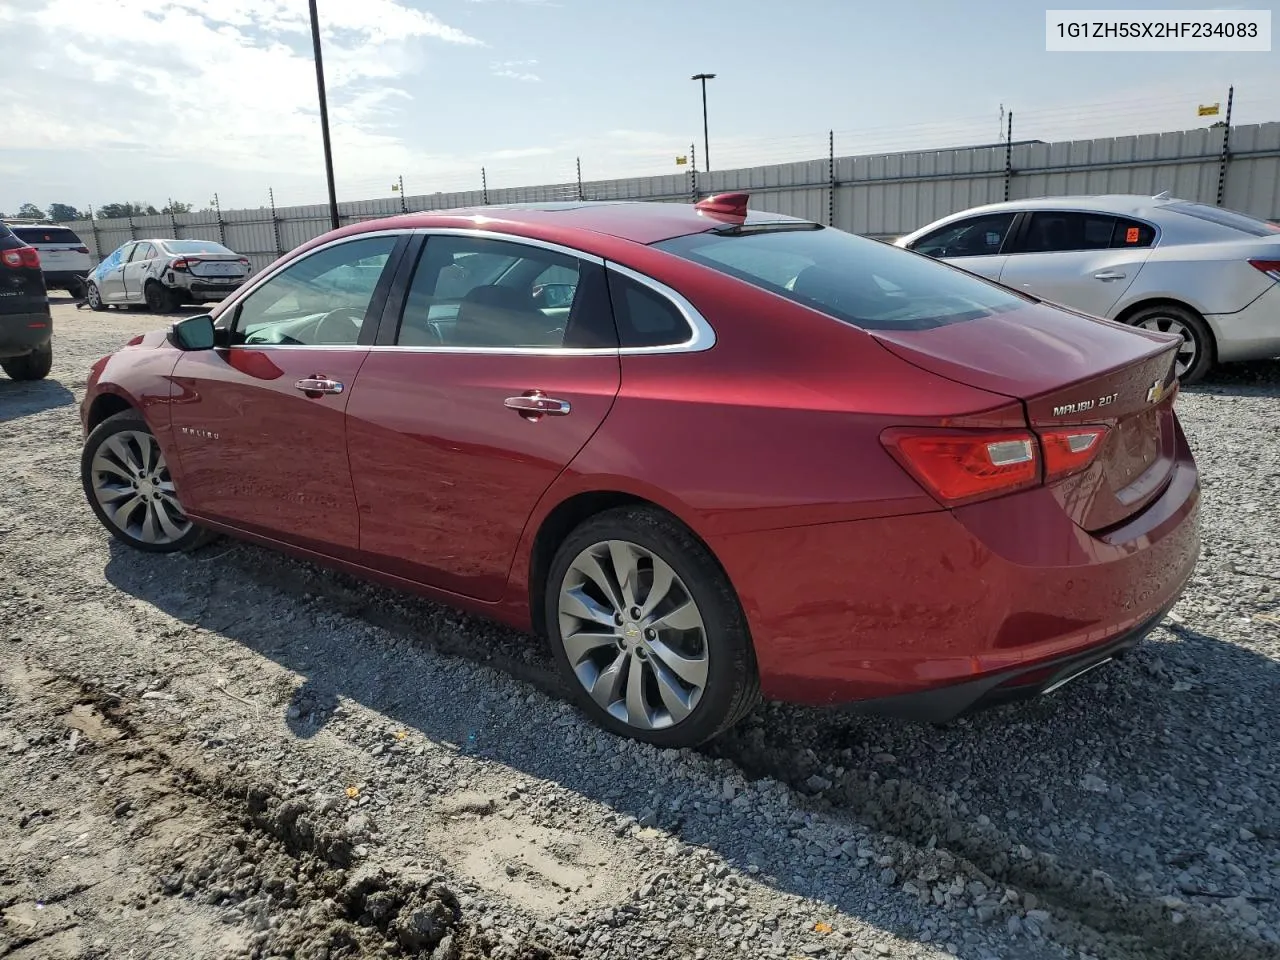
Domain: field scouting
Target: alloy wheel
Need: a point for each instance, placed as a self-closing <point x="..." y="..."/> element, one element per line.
<point x="1188" y="351"/>
<point x="633" y="635"/>
<point x="94" y="298"/>
<point x="132" y="484"/>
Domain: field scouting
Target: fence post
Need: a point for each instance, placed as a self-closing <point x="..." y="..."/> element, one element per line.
<point x="222" y="231"/>
<point x="484" y="186"/>
<point x="133" y="234"/>
<point x="404" y="207"/>
<point x="93" y="228"/>
<point x="831" y="177"/>
<point x="173" y="220"/>
<point x="693" y="172"/>
<point x="1226" y="149"/>
<point x="275" y="221"/>
<point x="580" y="196"/>
<point x="1008" y="156"/>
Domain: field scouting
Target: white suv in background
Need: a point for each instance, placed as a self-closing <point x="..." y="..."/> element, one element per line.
<point x="64" y="258"/>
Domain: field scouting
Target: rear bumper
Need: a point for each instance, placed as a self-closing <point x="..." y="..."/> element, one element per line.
<point x="953" y="606"/>
<point x="200" y="290"/>
<point x="1249" y="334"/>
<point x="20" y="333"/>
<point x="62" y="279"/>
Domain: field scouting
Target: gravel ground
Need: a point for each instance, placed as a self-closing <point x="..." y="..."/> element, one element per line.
<point x="230" y="753"/>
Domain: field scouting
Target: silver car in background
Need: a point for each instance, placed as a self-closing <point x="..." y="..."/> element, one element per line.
<point x="165" y="274"/>
<point x="1209" y="274"/>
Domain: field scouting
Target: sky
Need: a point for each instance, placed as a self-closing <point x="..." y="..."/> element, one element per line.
<point x="146" y="100"/>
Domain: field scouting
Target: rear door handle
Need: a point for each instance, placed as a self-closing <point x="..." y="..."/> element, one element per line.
<point x="1108" y="275"/>
<point x="318" y="385"/>
<point x="535" y="404"/>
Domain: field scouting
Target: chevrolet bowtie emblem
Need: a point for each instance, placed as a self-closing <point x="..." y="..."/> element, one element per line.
<point x="1157" y="392"/>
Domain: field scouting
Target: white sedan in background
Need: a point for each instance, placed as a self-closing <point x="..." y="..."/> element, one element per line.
<point x="1209" y="274"/>
<point x="165" y="274"/>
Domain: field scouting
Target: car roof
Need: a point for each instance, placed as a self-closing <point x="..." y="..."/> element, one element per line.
<point x="1118" y="203"/>
<point x="640" y="221"/>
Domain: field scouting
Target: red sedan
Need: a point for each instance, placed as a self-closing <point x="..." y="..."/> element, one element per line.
<point x="708" y="453"/>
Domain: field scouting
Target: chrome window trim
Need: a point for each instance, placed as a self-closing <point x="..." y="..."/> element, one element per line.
<point x="702" y="336"/>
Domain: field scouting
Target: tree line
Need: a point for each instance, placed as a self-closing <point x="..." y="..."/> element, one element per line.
<point x="65" y="212"/>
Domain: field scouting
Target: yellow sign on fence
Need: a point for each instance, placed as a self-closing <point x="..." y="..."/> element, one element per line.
<point x="1209" y="109"/>
<point x="681" y="161"/>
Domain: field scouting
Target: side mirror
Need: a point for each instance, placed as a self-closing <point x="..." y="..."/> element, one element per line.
<point x="193" y="333"/>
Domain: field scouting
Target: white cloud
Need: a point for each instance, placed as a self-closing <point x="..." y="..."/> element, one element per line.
<point x="515" y="70"/>
<point x="231" y="85"/>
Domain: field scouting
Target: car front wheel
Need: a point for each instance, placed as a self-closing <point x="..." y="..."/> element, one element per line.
<point x="647" y="630"/>
<point x="93" y="297"/>
<point x="127" y="483"/>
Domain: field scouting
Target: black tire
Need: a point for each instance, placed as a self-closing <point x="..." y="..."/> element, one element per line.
<point x="94" y="297"/>
<point x="159" y="298"/>
<point x="733" y="686"/>
<point x="34" y="366"/>
<point x="129" y="421"/>
<point x="1173" y="318"/>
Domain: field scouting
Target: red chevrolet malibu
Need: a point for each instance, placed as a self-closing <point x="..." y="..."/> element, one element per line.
<point x="708" y="453"/>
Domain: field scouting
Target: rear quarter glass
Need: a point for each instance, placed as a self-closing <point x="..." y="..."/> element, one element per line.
<point x="869" y="285"/>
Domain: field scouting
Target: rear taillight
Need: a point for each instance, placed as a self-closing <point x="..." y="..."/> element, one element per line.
<point x="81" y="250"/>
<point x="1069" y="451"/>
<point x="20" y="257"/>
<point x="244" y="261"/>
<point x="1270" y="267"/>
<point x="182" y="263"/>
<point x="960" y="467"/>
<point x="963" y="466"/>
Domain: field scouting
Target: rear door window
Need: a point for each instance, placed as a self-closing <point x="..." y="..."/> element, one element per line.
<point x="981" y="236"/>
<point x="1054" y="231"/>
<point x="1131" y="233"/>
<point x="859" y="281"/>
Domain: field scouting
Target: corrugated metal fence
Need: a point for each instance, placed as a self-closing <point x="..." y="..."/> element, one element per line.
<point x="880" y="196"/>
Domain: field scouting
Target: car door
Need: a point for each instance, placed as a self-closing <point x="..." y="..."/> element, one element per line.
<point x="484" y="389"/>
<point x="974" y="243"/>
<point x="260" y="421"/>
<point x="134" y="275"/>
<point x="111" y="279"/>
<point x="1081" y="260"/>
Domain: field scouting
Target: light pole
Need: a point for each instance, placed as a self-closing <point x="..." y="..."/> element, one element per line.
<point x="706" y="140"/>
<point x="324" y="117"/>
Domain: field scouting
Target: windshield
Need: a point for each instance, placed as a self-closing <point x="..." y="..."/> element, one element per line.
<point x="1225" y="218"/>
<point x="35" y="235"/>
<point x="862" y="282"/>
<point x="195" y="246"/>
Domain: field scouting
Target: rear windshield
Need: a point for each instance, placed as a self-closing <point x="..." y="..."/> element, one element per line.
<point x="34" y="235"/>
<point x="194" y="246"/>
<point x="1225" y="218"/>
<point x="863" y="282"/>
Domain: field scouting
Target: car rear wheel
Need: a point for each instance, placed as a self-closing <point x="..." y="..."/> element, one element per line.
<point x="159" y="297"/>
<point x="647" y="630"/>
<point x="130" y="490"/>
<point x="34" y="366"/>
<point x="94" y="298"/>
<point x="1196" y="354"/>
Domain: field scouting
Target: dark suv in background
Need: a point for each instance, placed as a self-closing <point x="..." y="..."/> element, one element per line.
<point x="26" y="326"/>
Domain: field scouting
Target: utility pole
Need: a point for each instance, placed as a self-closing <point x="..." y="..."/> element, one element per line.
<point x="324" y="117"/>
<point x="706" y="139"/>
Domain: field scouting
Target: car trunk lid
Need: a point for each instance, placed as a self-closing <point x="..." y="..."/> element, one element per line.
<point x="1069" y="370"/>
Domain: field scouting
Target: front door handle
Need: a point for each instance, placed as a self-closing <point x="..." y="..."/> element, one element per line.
<point x="318" y="385"/>
<point x="535" y="404"/>
<point x="1108" y="275"/>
